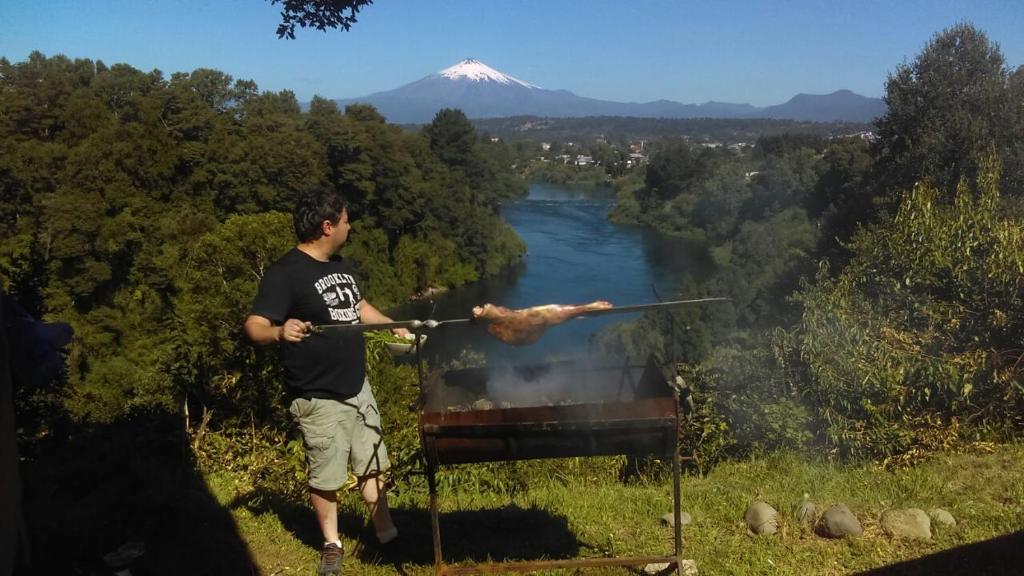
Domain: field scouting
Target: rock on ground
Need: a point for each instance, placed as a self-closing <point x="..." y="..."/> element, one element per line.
<point x="942" y="517"/>
<point x="686" y="568"/>
<point x="911" y="523"/>
<point x="656" y="568"/>
<point x="669" y="520"/>
<point x="839" y="522"/>
<point x="761" y="518"/>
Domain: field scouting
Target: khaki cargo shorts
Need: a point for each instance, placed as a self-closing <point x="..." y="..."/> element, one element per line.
<point x="337" y="433"/>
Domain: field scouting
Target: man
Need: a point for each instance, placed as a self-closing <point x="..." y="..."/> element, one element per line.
<point x="325" y="372"/>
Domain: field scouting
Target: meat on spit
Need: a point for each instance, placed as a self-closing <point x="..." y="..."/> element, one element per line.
<point x="526" y="326"/>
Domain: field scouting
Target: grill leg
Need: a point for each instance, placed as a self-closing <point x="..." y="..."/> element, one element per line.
<point x="676" y="513"/>
<point x="434" y="519"/>
<point x="677" y="494"/>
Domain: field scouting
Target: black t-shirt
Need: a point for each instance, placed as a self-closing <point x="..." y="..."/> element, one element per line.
<point x="330" y="364"/>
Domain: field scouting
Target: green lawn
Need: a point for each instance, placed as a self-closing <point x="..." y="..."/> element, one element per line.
<point x="559" y="517"/>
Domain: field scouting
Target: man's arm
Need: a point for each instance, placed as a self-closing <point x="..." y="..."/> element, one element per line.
<point x="262" y="331"/>
<point x="368" y="314"/>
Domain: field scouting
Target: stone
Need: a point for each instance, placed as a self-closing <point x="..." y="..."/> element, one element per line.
<point x="686" y="568"/>
<point x="839" y="522"/>
<point x="669" y="519"/>
<point x="761" y="518"/>
<point x="942" y="518"/>
<point x="804" y="511"/>
<point x="910" y="523"/>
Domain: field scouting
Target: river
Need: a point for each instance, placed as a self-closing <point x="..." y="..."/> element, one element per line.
<point x="575" y="255"/>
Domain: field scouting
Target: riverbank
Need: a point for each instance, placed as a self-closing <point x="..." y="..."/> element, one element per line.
<point x="983" y="488"/>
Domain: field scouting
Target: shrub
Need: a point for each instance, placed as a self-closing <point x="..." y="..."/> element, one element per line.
<point x="923" y="329"/>
<point x="744" y="402"/>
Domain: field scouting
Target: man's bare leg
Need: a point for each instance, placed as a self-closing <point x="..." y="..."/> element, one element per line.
<point x="326" y="506"/>
<point x="376" y="498"/>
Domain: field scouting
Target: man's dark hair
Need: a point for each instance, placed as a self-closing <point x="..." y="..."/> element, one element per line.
<point x="315" y="206"/>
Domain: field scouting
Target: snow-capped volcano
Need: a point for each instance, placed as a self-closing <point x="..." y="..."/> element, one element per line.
<point x="477" y="71"/>
<point x="471" y="86"/>
<point x="483" y="92"/>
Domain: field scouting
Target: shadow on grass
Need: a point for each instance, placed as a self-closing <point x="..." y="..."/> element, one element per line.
<point x="90" y="490"/>
<point x="500" y="534"/>
<point x="999" y="556"/>
<point x="297" y="518"/>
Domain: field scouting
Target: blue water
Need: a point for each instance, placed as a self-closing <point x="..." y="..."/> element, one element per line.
<point x="575" y="255"/>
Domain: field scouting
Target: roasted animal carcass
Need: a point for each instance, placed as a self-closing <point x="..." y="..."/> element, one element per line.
<point x="526" y="326"/>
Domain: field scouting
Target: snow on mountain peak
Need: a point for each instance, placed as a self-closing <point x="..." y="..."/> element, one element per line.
<point x="477" y="71"/>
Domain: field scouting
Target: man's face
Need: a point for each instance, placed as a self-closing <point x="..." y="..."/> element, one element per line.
<point x="339" y="231"/>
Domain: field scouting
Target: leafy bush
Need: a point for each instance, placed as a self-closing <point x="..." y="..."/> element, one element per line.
<point x="270" y="459"/>
<point x="923" y="329"/>
<point x="744" y="402"/>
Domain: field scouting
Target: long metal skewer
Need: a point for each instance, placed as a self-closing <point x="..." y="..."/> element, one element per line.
<point x="410" y="324"/>
<point x="653" y="306"/>
<point x="417" y="324"/>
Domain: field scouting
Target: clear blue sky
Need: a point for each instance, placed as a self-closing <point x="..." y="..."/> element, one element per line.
<point x="758" y="52"/>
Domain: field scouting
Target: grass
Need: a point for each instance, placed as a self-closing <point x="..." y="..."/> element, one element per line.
<point x="560" y="515"/>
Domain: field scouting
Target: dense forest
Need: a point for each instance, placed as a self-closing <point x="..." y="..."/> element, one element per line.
<point x="876" y="283"/>
<point x="142" y="209"/>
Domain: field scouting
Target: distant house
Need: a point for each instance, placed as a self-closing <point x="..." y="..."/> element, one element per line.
<point x="495" y="139"/>
<point x="749" y="175"/>
<point x="563" y="157"/>
<point x="635" y="159"/>
<point x="545" y="146"/>
<point x="582" y="160"/>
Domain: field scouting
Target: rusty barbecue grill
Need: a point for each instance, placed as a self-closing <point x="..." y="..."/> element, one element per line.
<point x="548" y="411"/>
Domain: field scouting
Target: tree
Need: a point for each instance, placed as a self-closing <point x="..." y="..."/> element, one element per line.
<point x="452" y="137"/>
<point x="486" y="166"/>
<point x="216" y="282"/>
<point x="843" y="196"/>
<point x="946" y="109"/>
<point x="319" y="14"/>
<point x="1013" y="164"/>
<point x="673" y="170"/>
<point x="784" y="181"/>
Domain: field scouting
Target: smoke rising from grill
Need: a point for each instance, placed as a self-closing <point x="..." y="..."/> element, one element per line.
<point x="567" y="383"/>
<point x="554" y="384"/>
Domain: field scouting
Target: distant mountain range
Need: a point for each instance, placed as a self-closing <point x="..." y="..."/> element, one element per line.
<point x="482" y="92"/>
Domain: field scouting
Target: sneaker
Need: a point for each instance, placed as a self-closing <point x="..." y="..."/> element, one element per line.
<point x="330" y="560"/>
